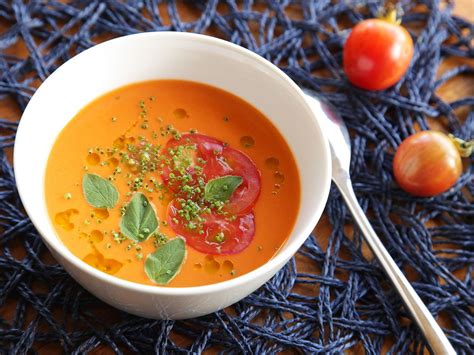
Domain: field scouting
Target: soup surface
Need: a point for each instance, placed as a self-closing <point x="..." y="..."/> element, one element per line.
<point x="172" y="183"/>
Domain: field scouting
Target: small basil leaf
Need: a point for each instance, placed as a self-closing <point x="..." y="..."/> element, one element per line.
<point x="222" y="188"/>
<point x="165" y="263"/>
<point x="139" y="220"/>
<point x="99" y="192"/>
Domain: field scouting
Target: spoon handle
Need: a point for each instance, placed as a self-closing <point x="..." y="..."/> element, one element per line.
<point x="435" y="337"/>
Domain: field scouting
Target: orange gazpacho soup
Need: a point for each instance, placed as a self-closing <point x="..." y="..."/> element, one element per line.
<point x="172" y="183"/>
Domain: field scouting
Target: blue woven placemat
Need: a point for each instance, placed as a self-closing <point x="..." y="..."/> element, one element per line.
<point x="340" y="300"/>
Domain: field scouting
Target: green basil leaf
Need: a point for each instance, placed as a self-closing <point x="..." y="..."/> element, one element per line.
<point x="99" y="192"/>
<point x="139" y="220"/>
<point x="222" y="188"/>
<point x="165" y="263"/>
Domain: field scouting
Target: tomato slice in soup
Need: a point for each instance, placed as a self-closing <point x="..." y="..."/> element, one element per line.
<point x="214" y="159"/>
<point x="217" y="234"/>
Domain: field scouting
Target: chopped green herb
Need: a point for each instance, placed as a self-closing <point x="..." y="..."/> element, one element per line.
<point x="220" y="237"/>
<point x="118" y="237"/>
<point x="160" y="239"/>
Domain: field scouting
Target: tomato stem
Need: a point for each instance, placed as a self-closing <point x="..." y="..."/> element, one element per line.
<point x="465" y="148"/>
<point x="390" y="14"/>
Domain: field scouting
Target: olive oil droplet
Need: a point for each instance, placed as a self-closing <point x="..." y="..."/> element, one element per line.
<point x="198" y="266"/>
<point x="119" y="143"/>
<point x="96" y="236"/>
<point x="63" y="219"/>
<point x="247" y="141"/>
<point x="227" y="266"/>
<point x="211" y="266"/>
<point x="279" y="177"/>
<point x="113" y="162"/>
<point x="272" y="163"/>
<point x="93" y="159"/>
<point x="101" y="213"/>
<point x="180" y="113"/>
<point x="97" y="260"/>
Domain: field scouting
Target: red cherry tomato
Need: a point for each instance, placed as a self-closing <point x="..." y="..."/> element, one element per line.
<point x="234" y="236"/>
<point x="377" y="54"/>
<point x="427" y="164"/>
<point x="221" y="160"/>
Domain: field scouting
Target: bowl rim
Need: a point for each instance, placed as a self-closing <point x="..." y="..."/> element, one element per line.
<point x="280" y="258"/>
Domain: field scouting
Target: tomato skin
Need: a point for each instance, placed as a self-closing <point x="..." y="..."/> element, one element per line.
<point x="205" y="147"/>
<point x="209" y="231"/>
<point x="426" y="164"/>
<point x="377" y="54"/>
<point x="238" y="233"/>
<point x="222" y="160"/>
<point x="237" y="163"/>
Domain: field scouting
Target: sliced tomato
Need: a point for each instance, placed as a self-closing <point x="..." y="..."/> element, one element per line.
<point x="234" y="162"/>
<point x="204" y="149"/>
<point x="220" y="236"/>
<point x="219" y="160"/>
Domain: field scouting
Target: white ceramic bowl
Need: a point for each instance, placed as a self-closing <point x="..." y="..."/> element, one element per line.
<point x="169" y="55"/>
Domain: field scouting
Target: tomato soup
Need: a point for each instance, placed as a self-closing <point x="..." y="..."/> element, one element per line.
<point x="172" y="183"/>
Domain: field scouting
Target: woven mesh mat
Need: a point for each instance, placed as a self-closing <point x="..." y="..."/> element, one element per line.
<point x="333" y="296"/>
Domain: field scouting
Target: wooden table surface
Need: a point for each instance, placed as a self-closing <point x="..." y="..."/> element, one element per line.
<point x="453" y="89"/>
